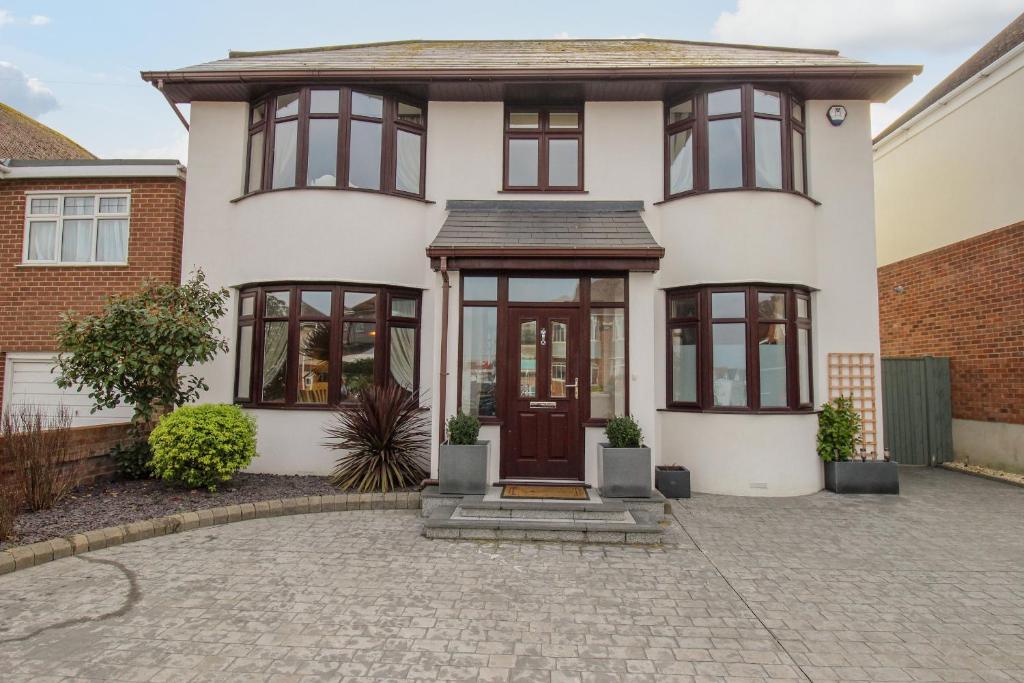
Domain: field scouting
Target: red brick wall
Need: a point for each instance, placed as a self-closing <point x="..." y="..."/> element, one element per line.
<point x="32" y="297"/>
<point x="964" y="301"/>
<point x="90" y="447"/>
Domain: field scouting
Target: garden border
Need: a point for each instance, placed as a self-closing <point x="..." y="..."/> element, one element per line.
<point x="25" y="556"/>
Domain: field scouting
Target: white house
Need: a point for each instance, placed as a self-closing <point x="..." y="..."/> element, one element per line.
<point x="543" y="233"/>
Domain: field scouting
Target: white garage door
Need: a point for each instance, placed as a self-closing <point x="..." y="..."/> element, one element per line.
<point x="28" y="381"/>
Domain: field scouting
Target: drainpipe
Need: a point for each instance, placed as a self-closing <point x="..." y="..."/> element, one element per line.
<point x="181" y="117"/>
<point x="443" y="374"/>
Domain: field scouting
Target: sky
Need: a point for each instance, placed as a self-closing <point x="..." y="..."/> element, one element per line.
<point x="75" y="65"/>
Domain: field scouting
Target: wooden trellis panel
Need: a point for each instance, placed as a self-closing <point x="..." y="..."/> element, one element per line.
<point x="853" y="375"/>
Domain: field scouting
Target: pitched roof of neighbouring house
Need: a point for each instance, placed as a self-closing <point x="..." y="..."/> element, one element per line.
<point x="22" y="137"/>
<point x="1007" y="39"/>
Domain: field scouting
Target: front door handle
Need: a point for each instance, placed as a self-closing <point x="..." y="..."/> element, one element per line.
<point x="574" y="386"/>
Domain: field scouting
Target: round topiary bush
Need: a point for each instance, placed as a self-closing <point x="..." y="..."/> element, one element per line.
<point x="202" y="446"/>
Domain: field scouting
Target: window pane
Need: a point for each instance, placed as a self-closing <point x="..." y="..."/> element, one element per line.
<point x="112" y="241"/>
<point x="76" y="241"/>
<point x="323" y="101"/>
<point x="113" y="205"/>
<point x="803" y="339"/>
<point x="321" y="167"/>
<point x="680" y="112"/>
<point x="798" y="111"/>
<point x="528" y="359"/>
<point x="360" y="304"/>
<point x="802" y="307"/>
<point x="563" y="163"/>
<point x="724" y="102"/>
<point x="315" y="304"/>
<point x="771" y="339"/>
<point x="364" y="156"/>
<point x="284" y="154"/>
<point x="798" y="162"/>
<point x="725" y="154"/>
<point x="684" y="364"/>
<point x="558" y="355"/>
<point x="248" y="306"/>
<point x="480" y="288"/>
<point x="523" y="119"/>
<point x="680" y="160"/>
<point x="563" y="119"/>
<point x="79" y="206"/>
<point x="543" y="289"/>
<point x="402" y="356"/>
<point x="771" y="305"/>
<point x="729" y="364"/>
<point x="768" y="153"/>
<point x="407" y="168"/>
<point x="728" y="305"/>
<point x="408" y="113"/>
<point x="403" y="308"/>
<point x="287" y="105"/>
<point x="356" y="358"/>
<point x="767" y="102"/>
<point x="255" y="163"/>
<point x="682" y="306"/>
<point x="41" y="240"/>
<point x="244" y="381"/>
<point x="43" y="206"/>
<point x="522" y="162"/>
<point x="479" y="360"/>
<point x="275" y="360"/>
<point x="607" y="363"/>
<point x="314" y="362"/>
<point x="608" y="289"/>
<point x="257" y="114"/>
<point x="277" y="305"/>
<point x="367" y="105"/>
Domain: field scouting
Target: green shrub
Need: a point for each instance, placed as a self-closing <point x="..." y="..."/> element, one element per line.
<point x="838" y="430"/>
<point x="624" y="432"/>
<point x="202" y="445"/>
<point x="463" y="430"/>
<point x="132" y="459"/>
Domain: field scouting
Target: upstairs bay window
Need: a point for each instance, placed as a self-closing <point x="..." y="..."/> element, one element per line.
<point x="740" y="137"/>
<point x="336" y="138"/>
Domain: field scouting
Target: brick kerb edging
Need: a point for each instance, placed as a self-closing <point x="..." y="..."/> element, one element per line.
<point x="25" y="556"/>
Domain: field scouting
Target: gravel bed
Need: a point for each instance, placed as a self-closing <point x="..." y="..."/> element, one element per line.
<point x="122" y="502"/>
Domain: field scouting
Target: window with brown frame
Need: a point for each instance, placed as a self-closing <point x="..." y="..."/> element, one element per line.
<point x="739" y="349"/>
<point x="736" y="137"/>
<point x="543" y="149"/>
<point x="341" y="138"/>
<point x="312" y="345"/>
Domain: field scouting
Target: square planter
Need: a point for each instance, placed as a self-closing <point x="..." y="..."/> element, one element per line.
<point x="672" y="480"/>
<point x="624" y="472"/>
<point x="855" y="476"/>
<point x="463" y="469"/>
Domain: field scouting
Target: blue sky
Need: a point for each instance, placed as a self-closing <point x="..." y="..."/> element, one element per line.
<point x="74" y="65"/>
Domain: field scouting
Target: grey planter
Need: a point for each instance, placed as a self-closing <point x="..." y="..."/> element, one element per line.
<point x="673" y="482"/>
<point x="855" y="476"/>
<point x="463" y="469"/>
<point x="624" y="472"/>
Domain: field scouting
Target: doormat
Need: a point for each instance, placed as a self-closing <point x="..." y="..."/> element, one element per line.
<point x="542" y="491"/>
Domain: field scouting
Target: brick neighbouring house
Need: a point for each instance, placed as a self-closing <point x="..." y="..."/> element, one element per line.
<point x="950" y="219"/>
<point x="74" y="230"/>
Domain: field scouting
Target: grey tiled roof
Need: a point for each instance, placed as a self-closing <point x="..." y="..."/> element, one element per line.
<point x="545" y="225"/>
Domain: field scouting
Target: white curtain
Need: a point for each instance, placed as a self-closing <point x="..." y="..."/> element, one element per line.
<point x="681" y="172"/>
<point x="403" y="355"/>
<point x="76" y="240"/>
<point x="768" y="152"/>
<point x="41" y="235"/>
<point x="275" y="355"/>
<point x="408" y="173"/>
<point x="112" y="241"/>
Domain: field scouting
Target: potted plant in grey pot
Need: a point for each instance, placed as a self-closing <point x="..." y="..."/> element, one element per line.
<point x="673" y="481"/>
<point x="838" y="438"/>
<point x="462" y="464"/>
<point x="624" y="463"/>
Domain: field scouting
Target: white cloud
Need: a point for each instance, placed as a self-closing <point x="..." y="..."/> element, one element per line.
<point x="39" y="20"/>
<point x="5" y="17"/>
<point x="25" y="93"/>
<point x="935" y="26"/>
<point x="171" y="149"/>
<point x="561" y="35"/>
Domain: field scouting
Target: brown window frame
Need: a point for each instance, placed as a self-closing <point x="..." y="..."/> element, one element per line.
<point x="382" y="319"/>
<point x="698" y="123"/>
<point x="703" y="322"/>
<point x="544" y="134"/>
<point x="390" y="127"/>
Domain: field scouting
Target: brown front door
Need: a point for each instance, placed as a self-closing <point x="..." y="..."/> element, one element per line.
<point x="542" y="436"/>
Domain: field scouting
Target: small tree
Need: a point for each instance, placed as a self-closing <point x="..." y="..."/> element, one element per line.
<point x="838" y="430"/>
<point x="133" y="350"/>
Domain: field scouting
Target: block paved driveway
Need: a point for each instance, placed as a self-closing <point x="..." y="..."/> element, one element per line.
<point x="927" y="586"/>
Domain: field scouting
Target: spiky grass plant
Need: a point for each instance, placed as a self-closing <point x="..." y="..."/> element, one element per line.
<point x="385" y="440"/>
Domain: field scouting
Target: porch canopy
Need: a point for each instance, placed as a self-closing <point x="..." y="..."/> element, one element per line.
<point x="545" y="235"/>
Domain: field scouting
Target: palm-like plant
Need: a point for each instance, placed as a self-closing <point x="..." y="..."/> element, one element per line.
<point x="385" y="438"/>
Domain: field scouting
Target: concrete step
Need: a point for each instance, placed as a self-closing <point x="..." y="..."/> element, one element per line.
<point x="636" y="527"/>
<point x="612" y="512"/>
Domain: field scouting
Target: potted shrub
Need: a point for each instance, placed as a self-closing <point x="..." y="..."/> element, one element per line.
<point x="624" y="463"/>
<point x="462" y="463"/>
<point x="838" y="438"/>
<point x="673" y="481"/>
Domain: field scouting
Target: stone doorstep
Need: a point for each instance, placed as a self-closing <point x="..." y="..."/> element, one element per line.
<point x="444" y="518"/>
<point x="478" y="502"/>
<point x="621" y="516"/>
<point x="432" y="498"/>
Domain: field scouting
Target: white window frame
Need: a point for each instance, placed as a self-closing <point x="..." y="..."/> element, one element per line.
<point x="59" y="218"/>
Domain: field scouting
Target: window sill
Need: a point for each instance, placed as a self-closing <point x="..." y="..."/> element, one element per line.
<point x="398" y="195"/>
<point x="723" y="411"/>
<point x="697" y="193"/>
<point x="91" y="264"/>
<point x="535" y="190"/>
